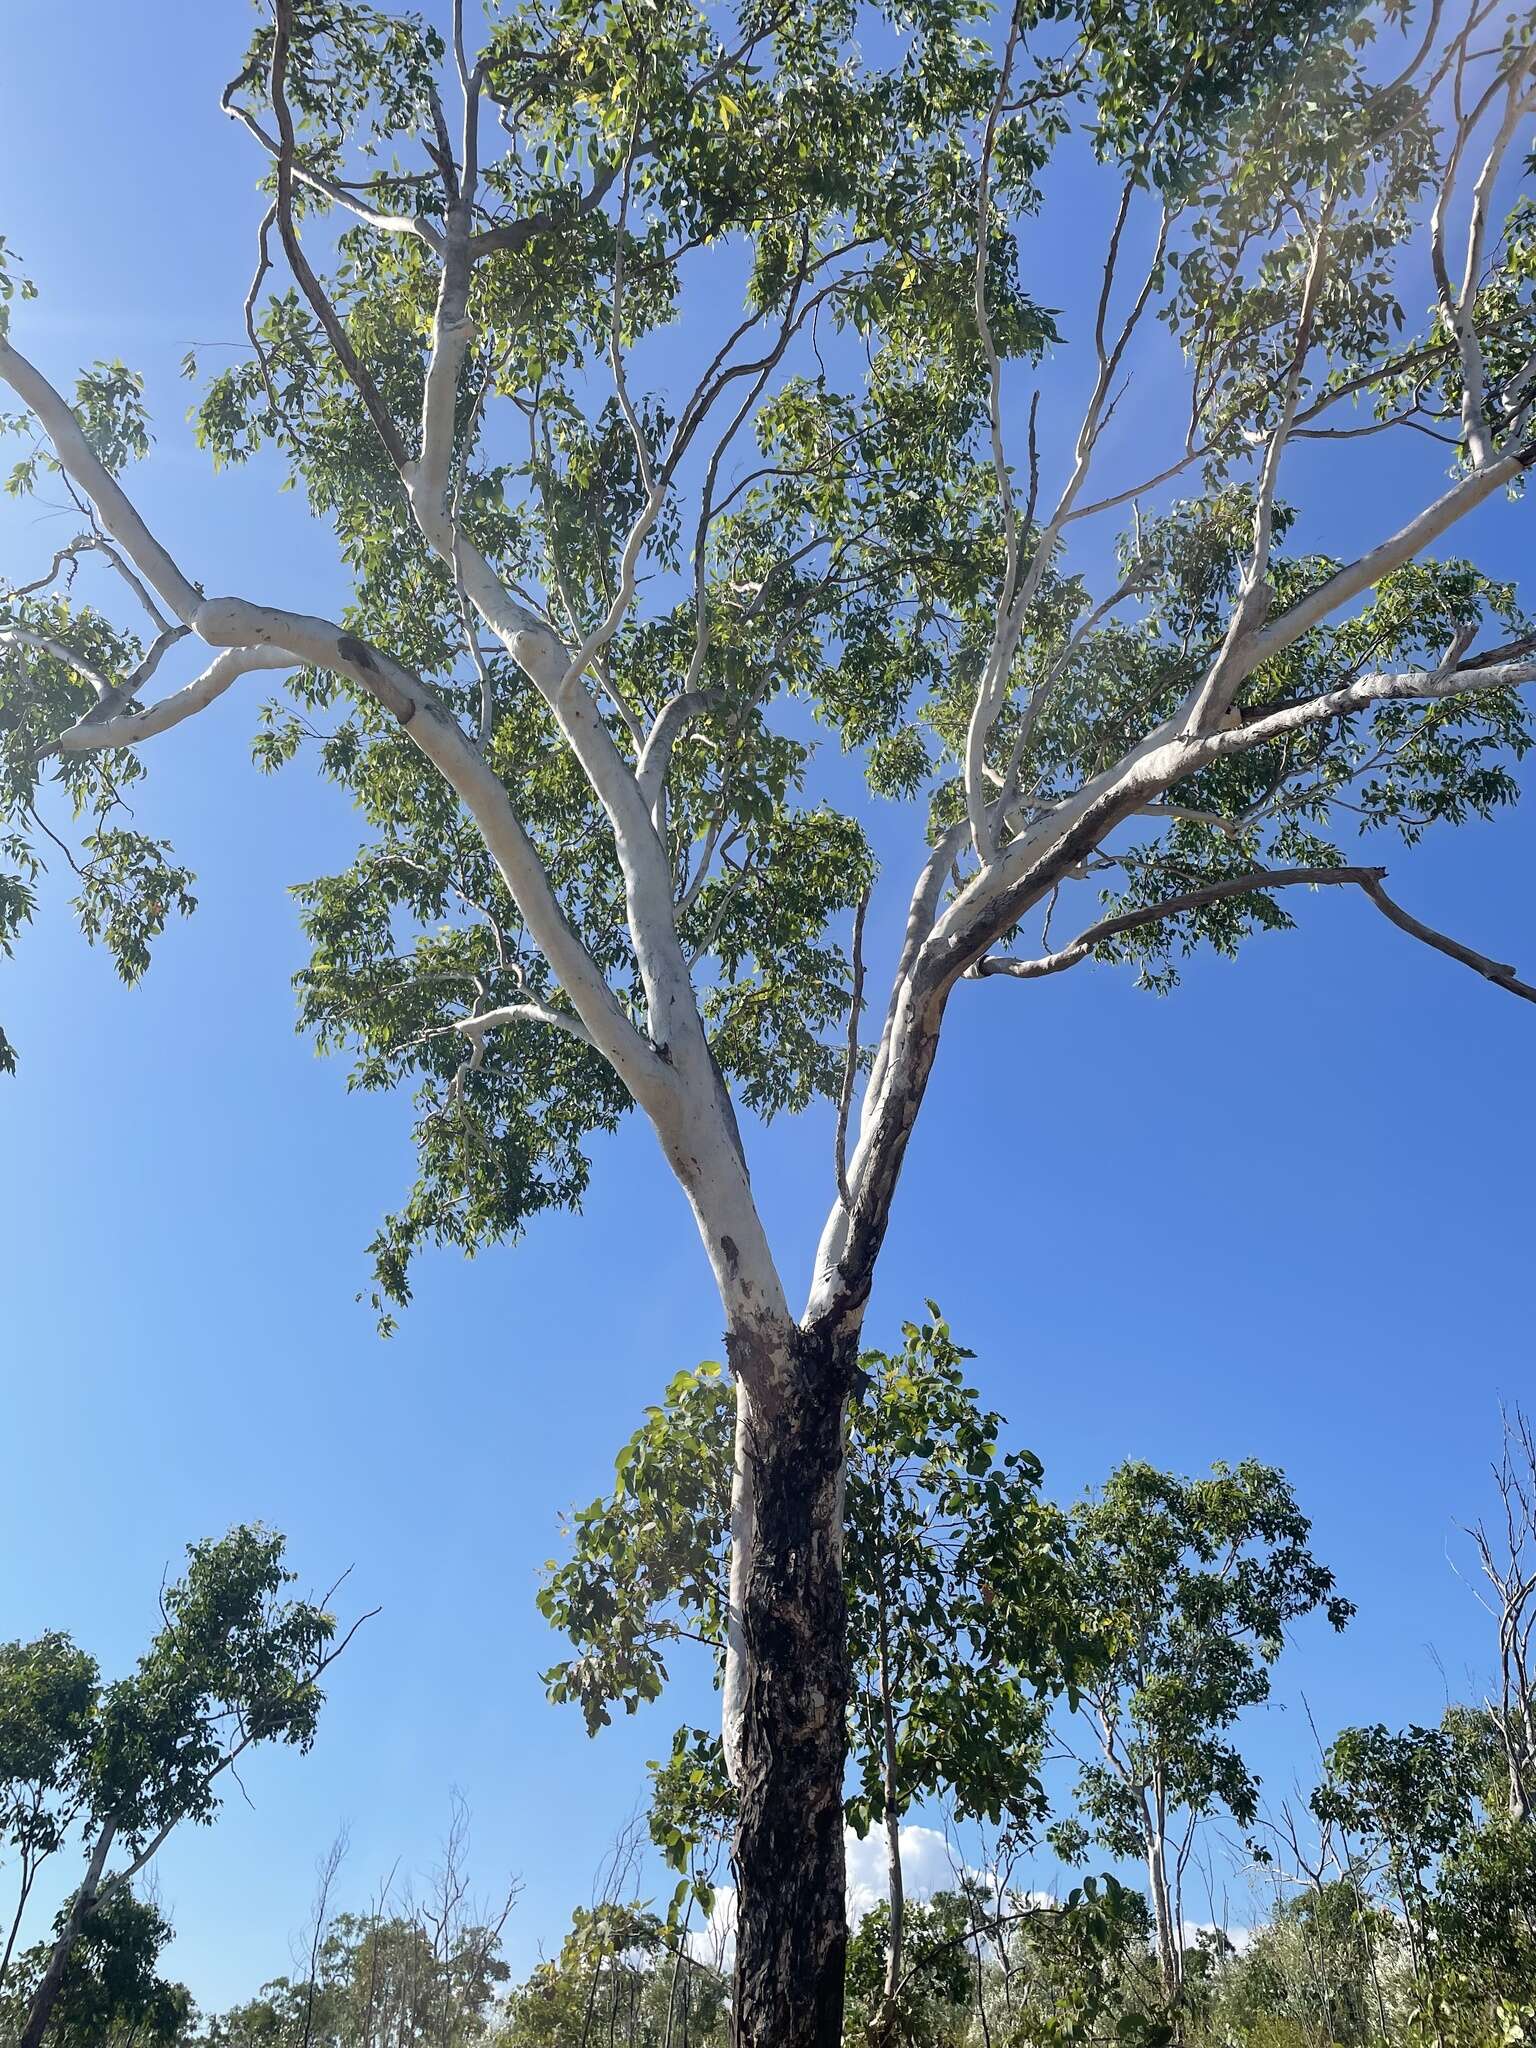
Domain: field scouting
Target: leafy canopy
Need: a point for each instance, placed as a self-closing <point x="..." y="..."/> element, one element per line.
<point x="1191" y="1586"/>
<point x="237" y="1661"/>
<point x="732" y="254"/>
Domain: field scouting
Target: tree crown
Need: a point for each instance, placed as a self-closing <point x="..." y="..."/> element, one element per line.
<point x="673" y="412"/>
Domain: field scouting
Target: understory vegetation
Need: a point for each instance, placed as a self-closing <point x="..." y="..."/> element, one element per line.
<point x="1058" y="1699"/>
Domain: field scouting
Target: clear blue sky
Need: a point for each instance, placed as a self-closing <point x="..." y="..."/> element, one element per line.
<point x="1286" y="1212"/>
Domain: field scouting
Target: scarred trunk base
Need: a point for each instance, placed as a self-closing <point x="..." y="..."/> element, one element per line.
<point x="791" y="1934"/>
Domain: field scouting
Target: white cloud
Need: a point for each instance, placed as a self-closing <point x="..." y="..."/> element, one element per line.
<point x="926" y="1868"/>
<point x="714" y="1943"/>
<point x="1191" y="1930"/>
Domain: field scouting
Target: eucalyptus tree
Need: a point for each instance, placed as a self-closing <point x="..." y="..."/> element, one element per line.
<point x="117" y="1767"/>
<point x="1318" y="1960"/>
<point x="959" y="1597"/>
<point x="568" y="688"/>
<point x="422" y="1967"/>
<point x="1190" y="1586"/>
<point x="938" y="1991"/>
<point x="988" y="1963"/>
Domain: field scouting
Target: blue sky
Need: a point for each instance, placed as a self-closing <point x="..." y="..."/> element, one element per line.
<point x="1285" y="1212"/>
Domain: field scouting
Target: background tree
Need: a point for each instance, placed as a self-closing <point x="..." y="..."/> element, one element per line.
<point x="622" y="1975"/>
<point x="48" y="1695"/>
<point x="237" y="1662"/>
<point x="991" y="1963"/>
<point x="272" y="2019"/>
<point x="1426" y="1810"/>
<point x="111" y="1994"/>
<point x="1079" y="1973"/>
<point x="379" y="1981"/>
<point x="1507" y="1557"/>
<point x="568" y="693"/>
<point x="1190" y="1586"/>
<point x="418" y="1969"/>
<point x="959" y="1616"/>
<point x="930" y="1996"/>
<point x="1318" y="1963"/>
<point x="961" y="1629"/>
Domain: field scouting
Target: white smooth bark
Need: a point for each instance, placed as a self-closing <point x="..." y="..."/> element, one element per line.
<point x="45" y="643"/>
<point x="93" y="734"/>
<point x="82" y="464"/>
<point x="682" y="1094"/>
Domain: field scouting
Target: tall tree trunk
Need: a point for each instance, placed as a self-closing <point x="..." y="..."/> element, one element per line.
<point x="1517" y="1729"/>
<point x="52" y="1983"/>
<point x="791" y="1929"/>
<point x="889" y="1786"/>
<point x="885" y="2024"/>
<point x="1170" y="1953"/>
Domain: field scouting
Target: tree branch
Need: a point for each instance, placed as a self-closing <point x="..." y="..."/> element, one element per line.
<point x="93" y="733"/>
<point x="851" y="1059"/>
<point x="340" y="195"/>
<point x="1153" y="913"/>
<point x="1493" y="970"/>
<point x="1413" y="685"/>
<point x="298" y="262"/>
<point x="83" y="466"/>
<point x="523" y="1013"/>
<point x="1464" y="496"/>
<point x="667" y="729"/>
<point x="1226" y="673"/>
<point x="236" y="623"/>
<point x="44" y="643"/>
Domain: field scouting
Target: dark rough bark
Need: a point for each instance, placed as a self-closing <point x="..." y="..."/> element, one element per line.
<point x="792" y="1935"/>
<point x="884" y="2028"/>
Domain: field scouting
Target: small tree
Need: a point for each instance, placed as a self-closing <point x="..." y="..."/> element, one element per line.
<point x="1405" y="1799"/>
<point x="1061" y="1973"/>
<point x="621" y="1977"/>
<point x="112" y="1994"/>
<point x="986" y="1964"/>
<point x="960" y="1628"/>
<point x="960" y="1624"/>
<point x="1318" y="1962"/>
<point x="274" y="2018"/>
<point x="1426" y="1810"/>
<point x="376" y="1981"/>
<point x="49" y="1694"/>
<point x="1190" y="1586"/>
<point x="931" y="2001"/>
<point x="121" y="1765"/>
